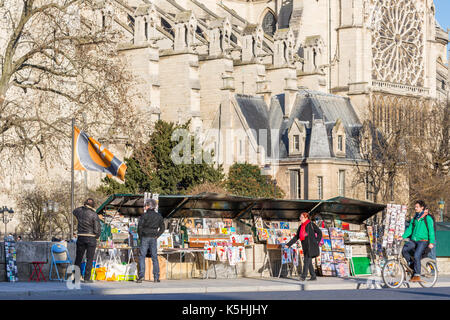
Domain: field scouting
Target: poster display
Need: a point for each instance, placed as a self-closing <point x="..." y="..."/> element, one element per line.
<point x="11" y="260"/>
<point x="394" y="222"/>
<point x="333" y="260"/>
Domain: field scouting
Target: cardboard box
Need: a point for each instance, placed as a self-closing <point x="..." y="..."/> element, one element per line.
<point x="149" y="268"/>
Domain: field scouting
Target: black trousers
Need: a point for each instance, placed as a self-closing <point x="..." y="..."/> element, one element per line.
<point x="86" y="245"/>
<point x="307" y="265"/>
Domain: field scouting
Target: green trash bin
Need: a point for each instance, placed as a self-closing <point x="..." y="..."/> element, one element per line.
<point x="360" y="266"/>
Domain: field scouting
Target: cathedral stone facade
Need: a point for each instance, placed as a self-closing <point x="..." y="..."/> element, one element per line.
<point x="286" y="84"/>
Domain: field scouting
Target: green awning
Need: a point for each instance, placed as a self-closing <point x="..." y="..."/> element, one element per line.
<point x="213" y="205"/>
<point x="351" y="210"/>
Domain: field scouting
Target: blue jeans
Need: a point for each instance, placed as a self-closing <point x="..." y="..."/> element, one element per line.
<point x="432" y="254"/>
<point x="147" y="243"/>
<point x="418" y="247"/>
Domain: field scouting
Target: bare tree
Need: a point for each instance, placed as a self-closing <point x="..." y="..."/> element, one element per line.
<point x="40" y="225"/>
<point x="429" y="158"/>
<point x="384" y="161"/>
<point x="58" y="60"/>
<point x="415" y="152"/>
<point x="33" y="221"/>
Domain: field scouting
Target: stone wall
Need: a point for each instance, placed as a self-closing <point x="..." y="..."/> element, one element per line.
<point x="256" y="265"/>
<point x="27" y="252"/>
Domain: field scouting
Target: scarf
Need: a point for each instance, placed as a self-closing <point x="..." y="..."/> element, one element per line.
<point x="303" y="233"/>
<point x="419" y="215"/>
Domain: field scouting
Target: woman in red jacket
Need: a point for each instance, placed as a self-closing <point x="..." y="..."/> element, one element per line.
<point x="310" y="236"/>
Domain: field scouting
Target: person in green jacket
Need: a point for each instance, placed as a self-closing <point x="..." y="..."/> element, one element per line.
<point x="420" y="236"/>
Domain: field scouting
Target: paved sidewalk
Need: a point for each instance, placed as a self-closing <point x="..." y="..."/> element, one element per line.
<point x="16" y="290"/>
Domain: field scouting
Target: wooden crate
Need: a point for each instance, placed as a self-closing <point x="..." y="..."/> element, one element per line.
<point x="149" y="268"/>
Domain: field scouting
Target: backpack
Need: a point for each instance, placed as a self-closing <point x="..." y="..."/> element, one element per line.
<point x="434" y="226"/>
<point x="426" y="224"/>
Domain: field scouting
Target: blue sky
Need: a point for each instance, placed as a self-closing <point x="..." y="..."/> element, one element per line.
<point x="443" y="13"/>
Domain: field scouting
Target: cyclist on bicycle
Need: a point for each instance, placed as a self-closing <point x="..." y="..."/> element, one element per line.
<point x="421" y="238"/>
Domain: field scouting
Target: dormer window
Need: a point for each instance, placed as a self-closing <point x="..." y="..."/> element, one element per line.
<point x="297" y="137"/>
<point x="340" y="143"/>
<point x="296" y="142"/>
<point x="338" y="134"/>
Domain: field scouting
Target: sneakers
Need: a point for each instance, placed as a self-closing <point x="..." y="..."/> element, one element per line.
<point x="88" y="281"/>
<point x="310" y="279"/>
<point x="415" y="279"/>
<point x="139" y="280"/>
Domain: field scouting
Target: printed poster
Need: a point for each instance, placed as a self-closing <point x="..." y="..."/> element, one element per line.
<point x="342" y="270"/>
<point x="210" y="253"/>
<point x="325" y="233"/>
<point x="328" y="269"/>
<point x="241" y="254"/>
<point x="284" y="225"/>
<point x="294" y="256"/>
<point x="326" y="245"/>
<point x="339" y="257"/>
<point x="286" y="255"/>
<point x="336" y="233"/>
<point x="338" y="245"/>
<point x="222" y="253"/>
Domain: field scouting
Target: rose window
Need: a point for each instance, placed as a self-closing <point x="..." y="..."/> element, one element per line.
<point x="397" y="42"/>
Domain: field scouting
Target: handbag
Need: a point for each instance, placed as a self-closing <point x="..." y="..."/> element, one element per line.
<point x="320" y="243"/>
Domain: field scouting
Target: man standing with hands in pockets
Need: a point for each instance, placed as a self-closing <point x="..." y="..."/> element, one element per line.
<point x="150" y="228"/>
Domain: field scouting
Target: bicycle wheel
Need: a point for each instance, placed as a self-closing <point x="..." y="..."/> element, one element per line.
<point x="393" y="274"/>
<point x="429" y="272"/>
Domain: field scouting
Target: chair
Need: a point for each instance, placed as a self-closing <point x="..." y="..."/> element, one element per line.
<point x="36" y="274"/>
<point x="63" y="256"/>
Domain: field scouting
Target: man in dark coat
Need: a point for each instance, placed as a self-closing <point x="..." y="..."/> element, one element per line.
<point x="88" y="233"/>
<point x="150" y="228"/>
<point x="310" y="236"/>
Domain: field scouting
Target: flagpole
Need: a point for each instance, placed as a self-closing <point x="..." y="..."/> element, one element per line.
<point x="72" y="198"/>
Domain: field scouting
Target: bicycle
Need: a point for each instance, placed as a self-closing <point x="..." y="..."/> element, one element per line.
<point x="395" y="270"/>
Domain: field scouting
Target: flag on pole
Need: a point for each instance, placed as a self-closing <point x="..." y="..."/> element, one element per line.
<point x="90" y="155"/>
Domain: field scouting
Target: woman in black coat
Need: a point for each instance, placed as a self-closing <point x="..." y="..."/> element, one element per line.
<point x="310" y="236"/>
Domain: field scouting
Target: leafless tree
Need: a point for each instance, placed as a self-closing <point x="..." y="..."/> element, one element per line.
<point x="58" y="61"/>
<point x="37" y="224"/>
<point x="416" y="153"/>
<point x="429" y="158"/>
<point x="384" y="161"/>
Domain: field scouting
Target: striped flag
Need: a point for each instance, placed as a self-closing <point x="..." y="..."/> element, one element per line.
<point x="90" y="155"/>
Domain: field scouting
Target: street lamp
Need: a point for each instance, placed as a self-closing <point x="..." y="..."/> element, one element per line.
<point x="7" y="216"/>
<point x="51" y="207"/>
<point x="441" y="209"/>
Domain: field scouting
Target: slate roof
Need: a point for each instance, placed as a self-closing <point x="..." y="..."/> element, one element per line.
<point x="256" y="114"/>
<point x="318" y="111"/>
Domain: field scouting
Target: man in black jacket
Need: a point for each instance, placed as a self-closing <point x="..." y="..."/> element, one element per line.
<point x="150" y="228"/>
<point x="88" y="232"/>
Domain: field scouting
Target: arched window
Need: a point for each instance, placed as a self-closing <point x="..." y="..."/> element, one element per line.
<point x="167" y="27"/>
<point x="269" y="23"/>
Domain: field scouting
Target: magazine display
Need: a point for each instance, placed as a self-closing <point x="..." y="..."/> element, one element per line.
<point x="333" y="260"/>
<point x="277" y="232"/>
<point x="209" y="226"/>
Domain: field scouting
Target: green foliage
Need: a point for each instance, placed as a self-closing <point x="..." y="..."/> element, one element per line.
<point x="151" y="168"/>
<point x="246" y="180"/>
<point x="136" y="181"/>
